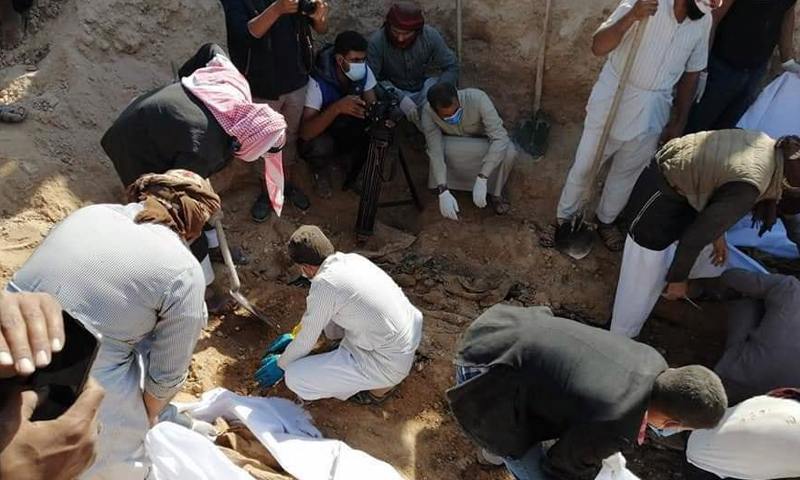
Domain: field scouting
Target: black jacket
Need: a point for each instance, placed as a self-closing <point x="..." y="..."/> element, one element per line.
<point x="168" y="128"/>
<point x="552" y="378"/>
<point x="277" y="63"/>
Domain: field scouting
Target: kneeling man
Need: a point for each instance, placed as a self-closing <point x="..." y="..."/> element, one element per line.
<point x="353" y="300"/>
<point x="468" y="147"/>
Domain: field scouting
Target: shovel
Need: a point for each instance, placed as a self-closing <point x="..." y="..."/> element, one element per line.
<point x="235" y="284"/>
<point x="534" y="133"/>
<point x="576" y="237"/>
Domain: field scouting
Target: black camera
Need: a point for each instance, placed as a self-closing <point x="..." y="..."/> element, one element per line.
<point x="379" y="113"/>
<point x="307" y="7"/>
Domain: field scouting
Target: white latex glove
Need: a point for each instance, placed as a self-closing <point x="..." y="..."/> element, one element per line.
<point x="410" y="109"/>
<point x="791" y="66"/>
<point x="479" y="192"/>
<point x="701" y="86"/>
<point x="448" y="205"/>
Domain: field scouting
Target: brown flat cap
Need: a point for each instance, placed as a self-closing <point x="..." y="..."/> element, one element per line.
<point x="310" y="246"/>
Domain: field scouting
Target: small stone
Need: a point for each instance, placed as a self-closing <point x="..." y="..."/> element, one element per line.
<point x="237" y="328"/>
<point x="220" y="334"/>
<point x="385" y="415"/>
<point x="420" y="367"/>
<point x="405" y="280"/>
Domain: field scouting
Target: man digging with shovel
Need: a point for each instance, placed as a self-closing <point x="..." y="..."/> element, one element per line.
<point x="673" y="51"/>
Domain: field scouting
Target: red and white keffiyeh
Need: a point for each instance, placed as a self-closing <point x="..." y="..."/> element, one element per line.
<point x="256" y="126"/>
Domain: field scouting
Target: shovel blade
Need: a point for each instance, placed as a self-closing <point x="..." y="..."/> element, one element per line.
<point x="524" y="136"/>
<point x="541" y="134"/>
<point x="575" y="240"/>
<point x="241" y="300"/>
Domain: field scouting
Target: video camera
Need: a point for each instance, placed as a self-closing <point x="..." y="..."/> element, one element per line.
<point x="379" y="113"/>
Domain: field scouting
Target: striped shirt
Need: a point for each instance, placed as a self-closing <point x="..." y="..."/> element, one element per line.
<point x="668" y="49"/>
<point x="131" y="282"/>
<point x="364" y="301"/>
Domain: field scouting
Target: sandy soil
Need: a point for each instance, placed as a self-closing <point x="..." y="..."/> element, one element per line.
<point x="83" y="61"/>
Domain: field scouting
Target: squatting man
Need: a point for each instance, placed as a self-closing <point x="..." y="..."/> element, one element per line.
<point x="351" y="299"/>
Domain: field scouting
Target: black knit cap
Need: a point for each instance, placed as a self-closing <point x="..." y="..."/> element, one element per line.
<point x="310" y="246"/>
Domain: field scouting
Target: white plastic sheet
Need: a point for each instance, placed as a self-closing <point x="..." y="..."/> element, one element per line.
<point x="178" y="453"/>
<point x="285" y="429"/>
<point x="614" y="469"/>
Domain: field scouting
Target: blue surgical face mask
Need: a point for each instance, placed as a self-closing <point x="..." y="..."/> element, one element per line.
<point x="455" y="118"/>
<point x="357" y="71"/>
<point x="664" y="432"/>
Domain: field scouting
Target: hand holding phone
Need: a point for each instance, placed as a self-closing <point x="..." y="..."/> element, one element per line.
<point x="60" y="449"/>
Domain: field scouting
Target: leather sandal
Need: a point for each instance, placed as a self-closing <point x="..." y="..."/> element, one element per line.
<point x="612" y="237"/>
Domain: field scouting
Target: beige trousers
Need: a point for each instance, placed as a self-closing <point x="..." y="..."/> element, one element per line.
<point x="464" y="158"/>
<point x="291" y="107"/>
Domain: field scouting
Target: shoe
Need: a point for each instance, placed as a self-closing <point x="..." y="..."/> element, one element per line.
<point x="297" y="197"/>
<point x="486" y="459"/>
<point x="262" y="208"/>
<point x="322" y="184"/>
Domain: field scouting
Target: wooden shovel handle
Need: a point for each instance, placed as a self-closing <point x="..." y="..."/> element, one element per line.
<point x="612" y="114"/>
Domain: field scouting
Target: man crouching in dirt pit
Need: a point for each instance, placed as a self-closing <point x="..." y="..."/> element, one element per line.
<point x="199" y="124"/>
<point x="525" y="376"/>
<point x="127" y="271"/>
<point x="353" y="300"/>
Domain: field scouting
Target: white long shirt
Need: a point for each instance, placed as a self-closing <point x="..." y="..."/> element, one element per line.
<point x="758" y="439"/>
<point x="668" y="49"/>
<point x="364" y="301"/>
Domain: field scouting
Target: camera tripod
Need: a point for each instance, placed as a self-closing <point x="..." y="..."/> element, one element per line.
<point x="380" y="140"/>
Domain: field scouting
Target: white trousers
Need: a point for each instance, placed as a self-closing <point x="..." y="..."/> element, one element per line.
<point x="464" y="159"/>
<point x="337" y="374"/>
<point x="630" y="158"/>
<point x="341" y="374"/>
<point x="642" y="278"/>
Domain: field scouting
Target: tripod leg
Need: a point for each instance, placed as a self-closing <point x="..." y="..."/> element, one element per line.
<point x="410" y="182"/>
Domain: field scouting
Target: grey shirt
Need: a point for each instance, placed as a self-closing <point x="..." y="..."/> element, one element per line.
<point x="132" y="282"/>
<point x="406" y="69"/>
<point x="763" y="335"/>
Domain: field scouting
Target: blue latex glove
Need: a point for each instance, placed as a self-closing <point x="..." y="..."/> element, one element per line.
<point x="270" y="373"/>
<point x="278" y="346"/>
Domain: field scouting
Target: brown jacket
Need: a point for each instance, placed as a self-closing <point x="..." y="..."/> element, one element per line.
<point x="698" y="164"/>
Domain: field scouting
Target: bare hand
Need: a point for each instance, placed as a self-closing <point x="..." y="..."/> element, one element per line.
<point x="59" y="449"/>
<point x="676" y="290"/>
<point x="644" y="8"/>
<point x="31" y="330"/>
<point x="287" y="7"/>
<point x="672" y="130"/>
<point x="321" y="13"/>
<point x="719" y="253"/>
<point x="352" y="105"/>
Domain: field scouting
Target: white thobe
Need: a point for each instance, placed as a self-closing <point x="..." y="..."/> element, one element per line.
<point x="353" y="299"/>
<point x="758" y="439"/>
<point x="668" y="49"/>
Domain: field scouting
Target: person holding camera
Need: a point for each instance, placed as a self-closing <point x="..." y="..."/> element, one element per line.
<point x="270" y="42"/>
<point x="340" y="90"/>
<point x="402" y="51"/>
<point x="468" y="147"/>
<point x="128" y="272"/>
<point x="31" y="331"/>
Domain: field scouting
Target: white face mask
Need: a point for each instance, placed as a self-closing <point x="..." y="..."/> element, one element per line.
<point x="706" y="6"/>
<point x="357" y="71"/>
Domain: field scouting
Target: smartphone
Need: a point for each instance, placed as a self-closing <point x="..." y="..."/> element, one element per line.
<point x="63" y="380"/>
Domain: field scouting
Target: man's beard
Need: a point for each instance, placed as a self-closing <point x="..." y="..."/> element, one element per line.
<point x="693" y="11"/>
